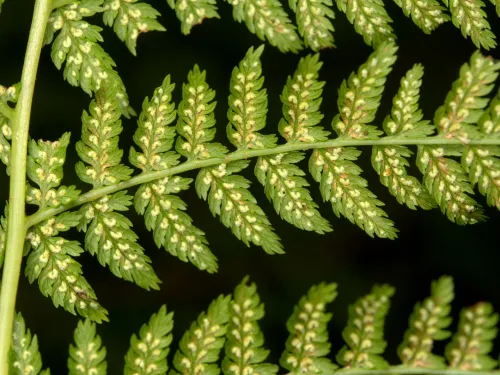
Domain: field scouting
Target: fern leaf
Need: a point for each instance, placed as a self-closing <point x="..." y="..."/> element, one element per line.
<point x="87" y="64"/>
<point x="172" y="228"/>
<point x="59" y="276"/>
<point x="193" y="12"/>
<point x="108" y="233"/>
<point x="286" y="188"/>
<point x="426" y="14"/>
<point x="427" y="324"/>
<point x="464" y="105"/>
<point x="248" y="104"/>
<point x="405" y="121"/>
<point x="196" y="119"/>
<point x="482" y="163"/>
<point x="148" y="354"/>
<point x="7" y="94"/>
<point x="466" y="100"/>
<point x="87" y="356"/>
<point x="470" y="18"/>
<point x="470" y="346"/>
<point x="24" y="355"/>
<point x="301" y="98"/>
<point x="130" y="19"/>
<point x="229" y="197"/>
<point x="334" y="169"/>
<point x="313" y="19"/>
<point x="268" y="20"/>
<point x="307" y="345"/>
<point x="200" y="346"/>
<point x="370" y="20"/>
<point x="244" y="352"/>
<point x="364" y="334"/>
<point x="45" y="168"/>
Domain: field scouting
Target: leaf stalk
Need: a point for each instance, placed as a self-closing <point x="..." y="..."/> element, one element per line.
<point x="16" y="228"/>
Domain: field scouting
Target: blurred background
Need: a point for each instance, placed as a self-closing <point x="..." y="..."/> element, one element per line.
<point x="428" y="245"/>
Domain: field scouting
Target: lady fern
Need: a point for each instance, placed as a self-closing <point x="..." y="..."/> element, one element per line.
<point x="233" y="320"/>
<point x="174" y="138"/>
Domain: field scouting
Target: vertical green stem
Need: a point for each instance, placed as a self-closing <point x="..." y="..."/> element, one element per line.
<point x="16" y="229"/>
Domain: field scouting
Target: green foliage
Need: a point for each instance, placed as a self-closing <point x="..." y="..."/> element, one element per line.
<point x="426" y="14"/>
<point x="370" y="19"/>
<point x="244" y="352"/>
<point x="196" y="119"/>
<point x="130" y="19"/>
<point x="471" y="344"/>
<point x="25" y="359"/>
<point x="3" y="234"/>
<point x="307" y="344"/>
<point x="231" y="322"/>
<point x="482" y="163"/>
<point x="427" y="324"/>
<point x="200" y="346"/>
<point x="334" y="168"/>
<point x="76" y="44"/>
<point x="107" y="232"/>
<point x="364" y="334"/>
<point x="268" y="20"/>
<point x="313" y="19"/>
<point x="148" y="354"/>
<point x="470" y="18"/>
<point x="193" y="12"/>
<point x="405" y="121"/>
<point x="87" y="356"/>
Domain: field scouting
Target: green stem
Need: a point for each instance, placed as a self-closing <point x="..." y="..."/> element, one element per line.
<point x="239" y="155"/>
<point x="16" y="227"/>
<point x="6" y="110"/>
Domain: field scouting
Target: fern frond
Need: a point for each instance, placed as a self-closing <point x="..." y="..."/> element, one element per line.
<point x="148" y="354"/>
<point x="45" y="168"/>
<point x="229" y="197"/>
<point x="24" y="355"/>
<point x="370" y="19"/>
<point x="51" y="261"/>
<point x="107" y="233"/>
<point x="470" y="18"/>
<point x="196" y="119"/>
<point x="313" y="19"/>
<point x="281" y="178"/>
<point x="307" y="344"/>
<point x="405" y="121"/>
<point x="200" y="346"/>
<point x="334" y="168"/>
<point x="470" y="346"/>
<point x="130" y="19"/>
<point x="301" y="98"/>
<point x="87" y="356"/>
<point x="76" y="44"/>
<point x="464" y="105"/>
<point x="482" y="163"/>
<point x="248" y="104"/>
<point x="163" y="211"/>
<point x="193" y="12"/>
<point x="268" y="20"/>
<point x="426" y="14"/>
<point x="244" y="352"/>
<point x="364" y="334"/>
<point x="7" y="94"/>
<point x="427" y="324"/>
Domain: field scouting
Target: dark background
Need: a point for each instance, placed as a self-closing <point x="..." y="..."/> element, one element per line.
<point x="428" y="245"/>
